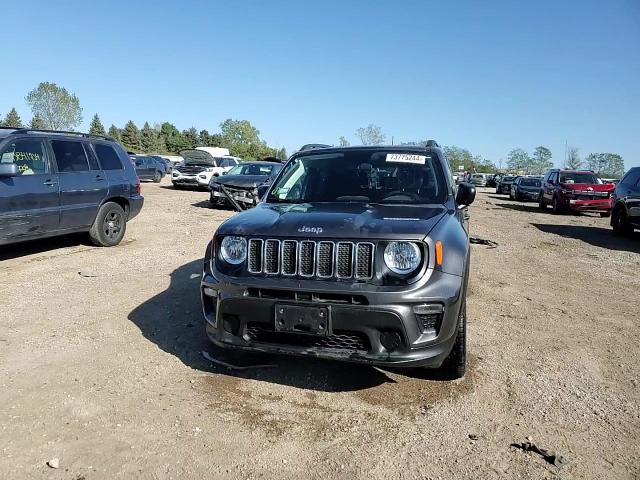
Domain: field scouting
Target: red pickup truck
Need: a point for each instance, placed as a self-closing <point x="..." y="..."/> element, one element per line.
<point x="577" y="190"/>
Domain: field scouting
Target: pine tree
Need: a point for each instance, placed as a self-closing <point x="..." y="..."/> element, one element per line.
<point x="12" y="119"/>
<point x="37" y="122"/>
<point x="148" y="139"/>
<point x="114" y="132"/>
<point x="96" y="127"/>
<point x="130" y="137"/>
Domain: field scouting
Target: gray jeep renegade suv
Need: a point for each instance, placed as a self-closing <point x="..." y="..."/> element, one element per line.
<point x="358" y="254"/>
<point x="54" y="183"/>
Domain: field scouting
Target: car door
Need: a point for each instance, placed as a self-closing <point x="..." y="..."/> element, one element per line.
<point x="83" y="185"/>
<point x="141" y="167"/>
<point x="549" y="185"/>
<point x="30" y="201"/>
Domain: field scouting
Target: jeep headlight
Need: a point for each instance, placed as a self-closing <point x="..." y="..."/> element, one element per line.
<point x="402" y="257"/>
<point x="233" y="250"/>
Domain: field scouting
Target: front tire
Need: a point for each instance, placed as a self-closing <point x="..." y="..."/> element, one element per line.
<point x="109" y="226"/>
<point x="620" y="222"/>
<point x="541" y="204"/>
<point x="455" y="364"/>
<point x="555" y="206"/>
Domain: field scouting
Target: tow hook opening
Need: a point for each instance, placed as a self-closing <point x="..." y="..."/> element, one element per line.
<point x="390" y="340"/>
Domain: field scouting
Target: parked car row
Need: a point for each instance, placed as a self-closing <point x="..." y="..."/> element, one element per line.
<point x="566" y="190"/>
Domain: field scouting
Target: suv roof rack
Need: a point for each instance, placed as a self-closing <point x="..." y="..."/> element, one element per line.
<point x="60" y="132"/>
<point x="313" y="146"/>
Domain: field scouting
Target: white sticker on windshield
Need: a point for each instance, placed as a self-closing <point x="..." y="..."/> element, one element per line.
<point x="406" y="158"/>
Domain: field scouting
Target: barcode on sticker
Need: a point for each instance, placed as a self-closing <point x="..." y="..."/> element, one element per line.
<point x="406" y="158"/>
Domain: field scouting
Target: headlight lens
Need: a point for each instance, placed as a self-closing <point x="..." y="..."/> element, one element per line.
<point x="402" y="257"/>
<point x="233" y="250"/>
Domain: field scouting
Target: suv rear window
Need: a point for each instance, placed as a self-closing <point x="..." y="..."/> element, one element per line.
<point x="108" y="157"/>
<point x="70" y="156"/>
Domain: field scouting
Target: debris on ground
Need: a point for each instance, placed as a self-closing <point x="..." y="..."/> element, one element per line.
<point x="234" y="367"/>
<point x="551" y="457"/>
<point x="482" y="241"/>
<point x="54" y="463"/>
<point x="87" y="274"/>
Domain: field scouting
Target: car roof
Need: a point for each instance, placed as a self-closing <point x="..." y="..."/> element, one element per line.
<point x="371" y="148"/>
<point x="8" y="131"/>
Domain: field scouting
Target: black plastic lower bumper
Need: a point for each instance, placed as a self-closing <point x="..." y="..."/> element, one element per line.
<point x="379" y="333"/>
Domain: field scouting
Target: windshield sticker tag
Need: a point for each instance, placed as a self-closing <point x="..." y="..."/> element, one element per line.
<point x="406" y="158"/>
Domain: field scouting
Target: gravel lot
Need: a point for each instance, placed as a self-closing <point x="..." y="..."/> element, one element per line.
<point x="101" y="365"/>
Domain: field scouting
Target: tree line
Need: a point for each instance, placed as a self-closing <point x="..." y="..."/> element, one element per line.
<point x="54" y="108"/>
<point x="607" y="165"/>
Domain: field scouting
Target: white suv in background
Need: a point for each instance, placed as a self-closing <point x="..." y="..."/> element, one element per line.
<point x="200" y="165"/>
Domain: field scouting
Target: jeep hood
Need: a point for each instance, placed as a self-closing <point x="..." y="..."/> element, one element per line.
<point x="241" y="181"/>
<point x="335" y="221"/>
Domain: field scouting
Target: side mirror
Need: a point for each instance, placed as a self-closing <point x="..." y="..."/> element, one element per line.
<point x="466" y="194"/>
<point x="9" y="170"/>
<point x="262" y="191"/>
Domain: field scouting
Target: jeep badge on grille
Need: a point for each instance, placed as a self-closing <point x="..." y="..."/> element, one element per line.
<point x="316" y="230"/>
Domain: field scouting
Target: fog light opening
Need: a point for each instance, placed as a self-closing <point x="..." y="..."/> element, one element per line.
<point x="231" y="324"/>
<point x="390" y="340"/>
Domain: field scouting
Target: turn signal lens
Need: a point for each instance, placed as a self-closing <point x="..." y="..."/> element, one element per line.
<point x="439" y="253"/>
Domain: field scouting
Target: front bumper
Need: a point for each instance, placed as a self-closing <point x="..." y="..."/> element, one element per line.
<point x="528" y="195"/>
<point x="184" y="179"/>
<point x="600" y="205"/>
<point x="240" y="314"/>
<point x="244" y="197"/>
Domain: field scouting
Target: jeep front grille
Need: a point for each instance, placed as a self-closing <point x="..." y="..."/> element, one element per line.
<point x="308" y="258"/>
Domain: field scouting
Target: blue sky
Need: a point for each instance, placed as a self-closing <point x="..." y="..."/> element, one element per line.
<point x="488" y="76"/>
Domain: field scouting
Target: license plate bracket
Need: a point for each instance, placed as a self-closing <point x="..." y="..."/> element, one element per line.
<point x="303" y="319"/>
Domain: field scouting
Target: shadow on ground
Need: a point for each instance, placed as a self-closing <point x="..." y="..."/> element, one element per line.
<point x="33" y="247"/>
<point x="173" y="321"/>
<point x="597" y="236"/>
<point x="207" y="204"/>
<point x="522" y="207"/>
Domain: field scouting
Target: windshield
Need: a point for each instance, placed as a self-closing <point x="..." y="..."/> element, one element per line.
<point x="361" y="176"/>
<point x="530" y="182"/>
<point x="252" y="169"/>
<point x="580" y="177"/>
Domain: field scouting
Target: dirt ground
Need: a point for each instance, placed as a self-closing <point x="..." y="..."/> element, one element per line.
<point x="101" y="365"/>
